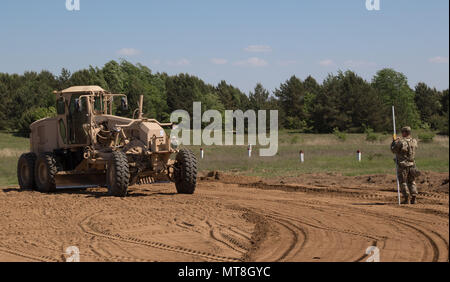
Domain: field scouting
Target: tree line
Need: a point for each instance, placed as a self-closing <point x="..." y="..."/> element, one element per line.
<point x="343" y="101"/>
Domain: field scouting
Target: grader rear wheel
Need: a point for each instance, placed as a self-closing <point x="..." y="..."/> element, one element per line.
<point x="25" y="171"/>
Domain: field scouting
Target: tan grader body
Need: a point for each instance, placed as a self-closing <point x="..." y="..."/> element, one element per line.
<point x="86" y="145"/>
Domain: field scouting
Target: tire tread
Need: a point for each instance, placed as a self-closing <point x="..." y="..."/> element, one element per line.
<point x="122" y="175"/>
<point x="30" y="159"/>
<point x="186" y="176"/>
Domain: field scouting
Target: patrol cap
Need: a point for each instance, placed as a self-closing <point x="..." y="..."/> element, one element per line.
<point x="406" y="129"/>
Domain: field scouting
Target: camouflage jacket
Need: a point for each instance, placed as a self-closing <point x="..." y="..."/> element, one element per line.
<point x="405" y="149"/>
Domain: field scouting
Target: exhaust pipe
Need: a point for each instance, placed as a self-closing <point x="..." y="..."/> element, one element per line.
<point x="141" y="105"/>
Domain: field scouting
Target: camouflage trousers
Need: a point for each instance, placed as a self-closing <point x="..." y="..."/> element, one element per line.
<point x="407" y="181"/>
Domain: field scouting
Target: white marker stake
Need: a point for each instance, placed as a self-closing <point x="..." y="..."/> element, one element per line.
<point x="250" y="150"/>
<point x="202" y="153"/>
<point x="302" y="157"/>
<point x="358" y="155"/>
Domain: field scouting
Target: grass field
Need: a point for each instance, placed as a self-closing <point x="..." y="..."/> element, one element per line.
<point x="323" y="153"/>
<point x="11" y="148"/>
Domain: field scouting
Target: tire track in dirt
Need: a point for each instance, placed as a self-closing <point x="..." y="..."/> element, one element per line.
<point x="224" y="240"/>
<point x="297" y="236"/>
<point x="297" y="244"/>
<point x="101" y="255"/>
<point x="99" y="233"/>
<point x="423" y="231"/>
<point x="411" y="224"/>
<point x="26" y="255"/>
<point x="329" y="191"/>
<point x="437" y="255"/>
<point x="434" y="245"/>
<point x="434" y="248"/>
<point x="232" y="236"/>
<point x="276" y="216"/>
<point x="96" y="255"/>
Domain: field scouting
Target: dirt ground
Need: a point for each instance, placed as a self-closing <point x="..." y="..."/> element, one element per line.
<point x="321" y="217"/>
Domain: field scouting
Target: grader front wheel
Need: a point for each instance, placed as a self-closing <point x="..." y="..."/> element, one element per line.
<point x="185" y="172"/>
<point x="45" y="172"/>
<point x="118" y="175"/>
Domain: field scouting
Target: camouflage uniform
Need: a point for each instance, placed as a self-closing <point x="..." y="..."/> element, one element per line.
<point x="405" y="150"/>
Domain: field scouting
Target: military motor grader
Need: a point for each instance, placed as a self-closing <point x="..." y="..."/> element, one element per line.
<point x="86" y="145"/>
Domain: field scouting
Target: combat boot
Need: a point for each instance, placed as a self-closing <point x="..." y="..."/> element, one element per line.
<point x="406" y="200"/>
<point x="413" y="200"/>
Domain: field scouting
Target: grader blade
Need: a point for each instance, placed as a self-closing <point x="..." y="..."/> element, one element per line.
<point x="71" y="180"/>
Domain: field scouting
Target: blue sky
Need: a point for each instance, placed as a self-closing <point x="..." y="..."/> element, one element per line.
<point x="240" y="41"/>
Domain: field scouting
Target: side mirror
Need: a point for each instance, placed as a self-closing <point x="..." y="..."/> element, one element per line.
<point x="124" y="104"/>
<point x="78" y="105"/>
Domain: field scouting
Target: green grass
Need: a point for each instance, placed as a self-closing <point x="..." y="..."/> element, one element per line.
<point x="323" y="153"/>
<point x="11" y="148"/>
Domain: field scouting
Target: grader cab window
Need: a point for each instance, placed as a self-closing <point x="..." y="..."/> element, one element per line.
<point x="77" y="117"/>
<point x="60" y="106"/>
<point x="98" y="104"/>
<point x="62" y="131"/>
<point x="77" y="105"/>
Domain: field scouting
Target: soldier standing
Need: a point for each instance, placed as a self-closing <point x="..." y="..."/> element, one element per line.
<point x="405" y="149"/>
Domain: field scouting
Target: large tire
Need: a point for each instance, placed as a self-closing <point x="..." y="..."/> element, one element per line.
<point x="45" y="172"/>
<point x="185" y="172"/>
<point x="118" y="175"/>
<point x="25" y="171"/>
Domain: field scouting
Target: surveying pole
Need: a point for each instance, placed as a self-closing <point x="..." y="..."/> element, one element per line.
<point x="394" y="136"/>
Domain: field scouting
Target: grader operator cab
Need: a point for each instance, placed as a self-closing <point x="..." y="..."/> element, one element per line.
<point x="86" y="145"/>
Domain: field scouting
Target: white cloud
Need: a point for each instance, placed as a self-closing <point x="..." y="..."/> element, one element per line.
<point x="128" y="52"/>
<point x="358" y="64"/>
<point x="258" y="48"/>
<point x="439" y="60"/>
<point x="327" y="63"/>
<point x="179" y="63"/>
<point x="219" y="61"/>
<point x="252" y="62"/>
